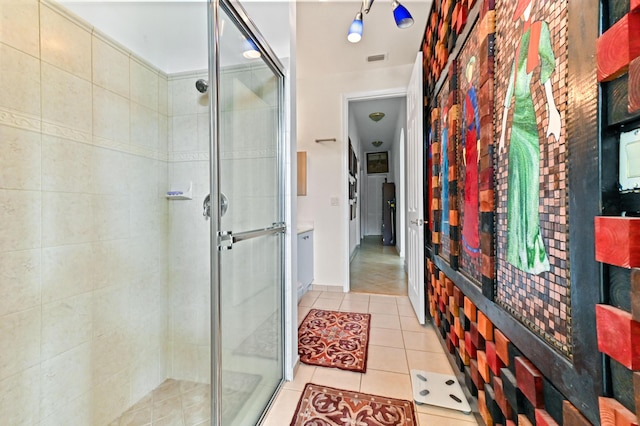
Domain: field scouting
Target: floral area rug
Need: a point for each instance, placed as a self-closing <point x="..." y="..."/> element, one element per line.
<point x="322" y="405"/>
<point x="335" y="339"/>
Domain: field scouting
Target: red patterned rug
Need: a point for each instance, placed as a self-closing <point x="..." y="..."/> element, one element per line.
<point x="335" y="339"/>
<point x="325" y="406"/>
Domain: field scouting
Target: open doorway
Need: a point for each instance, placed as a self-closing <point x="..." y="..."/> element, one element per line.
<point x="376" y="195"/>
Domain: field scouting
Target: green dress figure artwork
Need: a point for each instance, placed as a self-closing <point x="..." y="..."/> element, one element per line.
<point x="525" y="247"/>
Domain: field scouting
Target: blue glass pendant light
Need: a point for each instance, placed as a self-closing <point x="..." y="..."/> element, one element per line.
<point x="401" y="15"/>
<point x="355" y="30"/>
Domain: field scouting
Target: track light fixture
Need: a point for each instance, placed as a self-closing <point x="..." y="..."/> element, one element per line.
<point x="400" y="14"/>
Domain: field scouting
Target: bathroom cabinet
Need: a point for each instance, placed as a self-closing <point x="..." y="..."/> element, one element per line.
<point x="305" y="261"/>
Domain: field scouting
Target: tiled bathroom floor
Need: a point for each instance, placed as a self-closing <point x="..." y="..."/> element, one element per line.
<point x="173" y="403"/>
<point x="398" y="344"/>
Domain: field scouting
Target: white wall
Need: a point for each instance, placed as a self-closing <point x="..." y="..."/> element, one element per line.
<point x="354" y="224"/>
<point x="320" y="103"/>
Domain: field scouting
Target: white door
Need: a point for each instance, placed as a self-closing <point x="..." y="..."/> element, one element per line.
<point x="373" y="225"/>
<point x="415" y="218"/>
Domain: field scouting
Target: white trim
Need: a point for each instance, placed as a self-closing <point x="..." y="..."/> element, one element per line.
<point x="346" y="98"/>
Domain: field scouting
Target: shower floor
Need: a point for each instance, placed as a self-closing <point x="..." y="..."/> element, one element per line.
<point x="173" y="403"/>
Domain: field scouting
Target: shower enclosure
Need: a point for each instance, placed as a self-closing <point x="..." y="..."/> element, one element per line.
<point x="122" y="302"/>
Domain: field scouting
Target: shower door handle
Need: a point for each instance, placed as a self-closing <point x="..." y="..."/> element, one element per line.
<point x="226" y="239"/>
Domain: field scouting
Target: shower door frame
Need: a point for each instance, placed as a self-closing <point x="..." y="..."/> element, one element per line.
<point x="236" y="12"/>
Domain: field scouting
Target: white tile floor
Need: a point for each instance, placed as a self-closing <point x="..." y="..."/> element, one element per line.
<point x="398" y="343"/>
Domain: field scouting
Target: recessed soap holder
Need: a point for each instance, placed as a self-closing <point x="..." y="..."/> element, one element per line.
<point x="180" y="193"/>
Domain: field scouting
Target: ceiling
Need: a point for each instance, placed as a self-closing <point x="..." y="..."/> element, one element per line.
<point x="322" y="48"/>
<point x="321" y="35"/>
<point x="172" y="35"/>
<point x="383" y="130"/>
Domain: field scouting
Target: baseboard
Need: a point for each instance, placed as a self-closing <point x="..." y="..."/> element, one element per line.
<point x="354" y="252"/>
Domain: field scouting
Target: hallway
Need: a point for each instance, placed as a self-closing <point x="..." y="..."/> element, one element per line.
<point x="378" y="269"/>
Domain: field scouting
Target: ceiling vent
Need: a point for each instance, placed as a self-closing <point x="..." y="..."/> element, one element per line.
<point x="376" y="58"/>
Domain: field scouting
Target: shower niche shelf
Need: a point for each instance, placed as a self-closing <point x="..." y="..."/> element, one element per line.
<point x="180" y="193"/>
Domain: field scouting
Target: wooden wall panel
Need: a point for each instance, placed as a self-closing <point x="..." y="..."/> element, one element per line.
<point x="618" y="46"/>
<point x="618" y="240"/>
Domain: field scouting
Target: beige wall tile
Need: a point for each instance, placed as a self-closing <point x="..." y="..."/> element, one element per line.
<point x="145" y="251"/>
<point x="20" y="220"/>
<point x="20" y="401"/>
<point x="67" y="271"/>
<point x="184" y="133"/>
<point x="64" y="378"/>
<point x="66" y="324"/>
<point x="163" y="133"/>
<point x="144" y="126"/>
<point x="66" y="165"/>
<point x="203" y="132"/>
<point x="142" y="174"/>
<point x="110" y="354"/>
<point x="112" y="263"/>
<point x="163" y="95"/>
<point x="66" y="99"/>
<point x="191" y="324"/>
<point x="184" y="98"/>
<point x="190" y="362"/>
<point x="147" y="299"/>
<point x="20" y="274"/>
<point x="111" y="216"/>
<point x="110" y="67"/>
<point x="20" y="163"/>
<point x="19" y="81"/>
<point x="77" y="412"/>
<point x="110" y="115"/>
<point x="143" y="85"/>
<point x="19" y="25"/>
<point x="110" y="309"/>
<point x="64" y="43"/>
<point x="20" y="341"/>
<point x="110" y="398"/>
<point x="67" y="219"/>
<point x="109" y="172"/>
<point x="145" y="374"/>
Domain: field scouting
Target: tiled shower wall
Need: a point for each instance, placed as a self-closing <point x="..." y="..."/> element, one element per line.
<point x="83" y="218"/>
<point x="104" y="283"/>
<point x="189" y="327"/>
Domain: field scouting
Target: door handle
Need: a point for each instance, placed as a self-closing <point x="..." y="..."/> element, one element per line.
<point x="417" y="222"/>
<point x="227" y="239"/>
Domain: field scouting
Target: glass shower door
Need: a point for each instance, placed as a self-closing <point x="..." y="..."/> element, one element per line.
<point x="250" y="228"/>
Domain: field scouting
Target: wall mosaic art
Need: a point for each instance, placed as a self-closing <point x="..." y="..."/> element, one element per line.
<point x="532" y="280"/>
<point x="469" y="157"/>
<point x="446" y="138"/>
